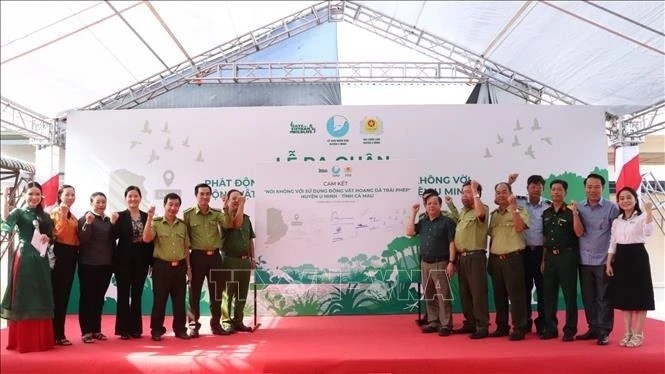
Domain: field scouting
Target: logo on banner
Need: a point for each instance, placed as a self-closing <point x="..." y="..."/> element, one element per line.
<point x="302" y="128"/>
<point x="347" y="171"/>
<point x="371" y="127"/>
<point x="338" y="126"/>
<point x="335" y="170"/>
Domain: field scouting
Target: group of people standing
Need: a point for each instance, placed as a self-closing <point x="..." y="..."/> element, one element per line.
<point x="541" y="243"/>
<point x="216" y="244"/>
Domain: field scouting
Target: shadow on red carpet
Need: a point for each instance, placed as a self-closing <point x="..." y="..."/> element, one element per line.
<point x="338" y="344"/>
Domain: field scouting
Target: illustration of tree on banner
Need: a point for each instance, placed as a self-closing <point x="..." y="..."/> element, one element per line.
<point x="404" y="252"/>
<point x="576" y="184"/>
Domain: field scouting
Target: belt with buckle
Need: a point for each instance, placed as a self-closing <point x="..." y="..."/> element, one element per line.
<point x="473" y="252"/>
<point x="556" y="251"/>
<point x="171" y="263"/>
<point x="207" y="252"/>
<point x="509" y="254"/>
<point x="434" y="260"/>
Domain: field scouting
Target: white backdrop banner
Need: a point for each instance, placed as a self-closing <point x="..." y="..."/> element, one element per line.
<point x="407" y="148"/>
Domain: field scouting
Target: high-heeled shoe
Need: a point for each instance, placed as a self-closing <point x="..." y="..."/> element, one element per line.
<point x="626" y="338"/>
<point x="635" y="341"/>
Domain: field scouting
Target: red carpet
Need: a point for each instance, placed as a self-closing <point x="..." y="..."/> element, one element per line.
<point x="376" y="344"/>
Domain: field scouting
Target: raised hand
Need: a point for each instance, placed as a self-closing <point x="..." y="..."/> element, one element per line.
<point x="415" y="208"/>
<point x="448" y="199"/>
<point x="512" y="201"/>
<point x="151" y="211"/>
<point x="64" y="209"/>
<point x="89" y="217"/>
<point x="114" y="217"/>
<point x="573" y="207"/>
<point x="474" y="186"/>
<point x="648" y="205"/>
<point x="512" y="177"/>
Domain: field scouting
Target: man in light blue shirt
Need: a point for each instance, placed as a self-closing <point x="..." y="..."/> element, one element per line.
<point x="535" y="205"/>
<point x="597" y="215"/>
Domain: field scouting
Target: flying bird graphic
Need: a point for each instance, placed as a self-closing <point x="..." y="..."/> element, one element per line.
<point x="200" y="157"/>
<point x="168" y="145"/>
<point x="517" y="126"/>
<point x="185" y="143"/>
<point x="499" y="139"/>
<point x="547" y="140"/>
<point x="153" y="157"/>
<point x="166" y="128"/>
<point x="536" y="125"/>
<point x="529" y="152"/>
<point x="487" y="153"/>
<point x="516" y="142"/>
<point x="146" y="128"/>
<point x="133" y="144"/>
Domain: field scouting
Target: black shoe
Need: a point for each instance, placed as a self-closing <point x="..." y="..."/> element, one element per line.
<point x="239" y="327"/>
<point x="548" y="335"/>
<point x="218" y="330"/>
<point x="444" y="331"/>
<point x="568" y="337"/>
<point x="589" y="335"/>
<point x="430" y="329"/>
<point x="135" y="335"/>
<point x="194" y="334"/>
<point x="480" y="334"/>
<point x="516" y="335"/>
<point x="603" y="339"/>
<point x="465" y="330"/>
<point x="182" y="335"/>
<point x="529" y="325"/>
<point x="498" y="333"/>
<point x="156" y="338"/>
<point x="124" y="337"/>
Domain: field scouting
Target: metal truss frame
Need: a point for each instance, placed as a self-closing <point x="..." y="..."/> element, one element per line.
<point x="467" y="63"/>
<point x="206" y="62"/>
<point x="344" y="72"/>
<point x="454" y="64"/>
<point x="37" y="128"/>
<point x="634" y="127"/>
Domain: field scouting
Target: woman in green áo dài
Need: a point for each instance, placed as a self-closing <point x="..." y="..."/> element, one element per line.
<point x="28" y="299"/>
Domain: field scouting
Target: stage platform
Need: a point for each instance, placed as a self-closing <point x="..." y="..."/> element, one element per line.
<point x="340" y="344"/>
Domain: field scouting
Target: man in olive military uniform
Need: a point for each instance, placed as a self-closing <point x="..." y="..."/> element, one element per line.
<point x="535" y="205"/>
<point x="238" y="261"/>
<point x="506" y="266"/>
<point x="170" y="268"/>
<point x="471" y="246"/>
<point x="561" y="228"/>
<point x="204" y="225"/>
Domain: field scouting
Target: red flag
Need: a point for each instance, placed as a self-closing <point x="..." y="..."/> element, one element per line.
<point x="50" y="191"/>
<point x="627" y="167"/>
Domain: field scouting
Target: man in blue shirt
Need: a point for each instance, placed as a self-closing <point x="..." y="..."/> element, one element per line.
<point x="597" y="215"/>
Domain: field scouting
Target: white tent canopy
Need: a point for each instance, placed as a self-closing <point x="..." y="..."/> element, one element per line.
<point x="58" y="56"/>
